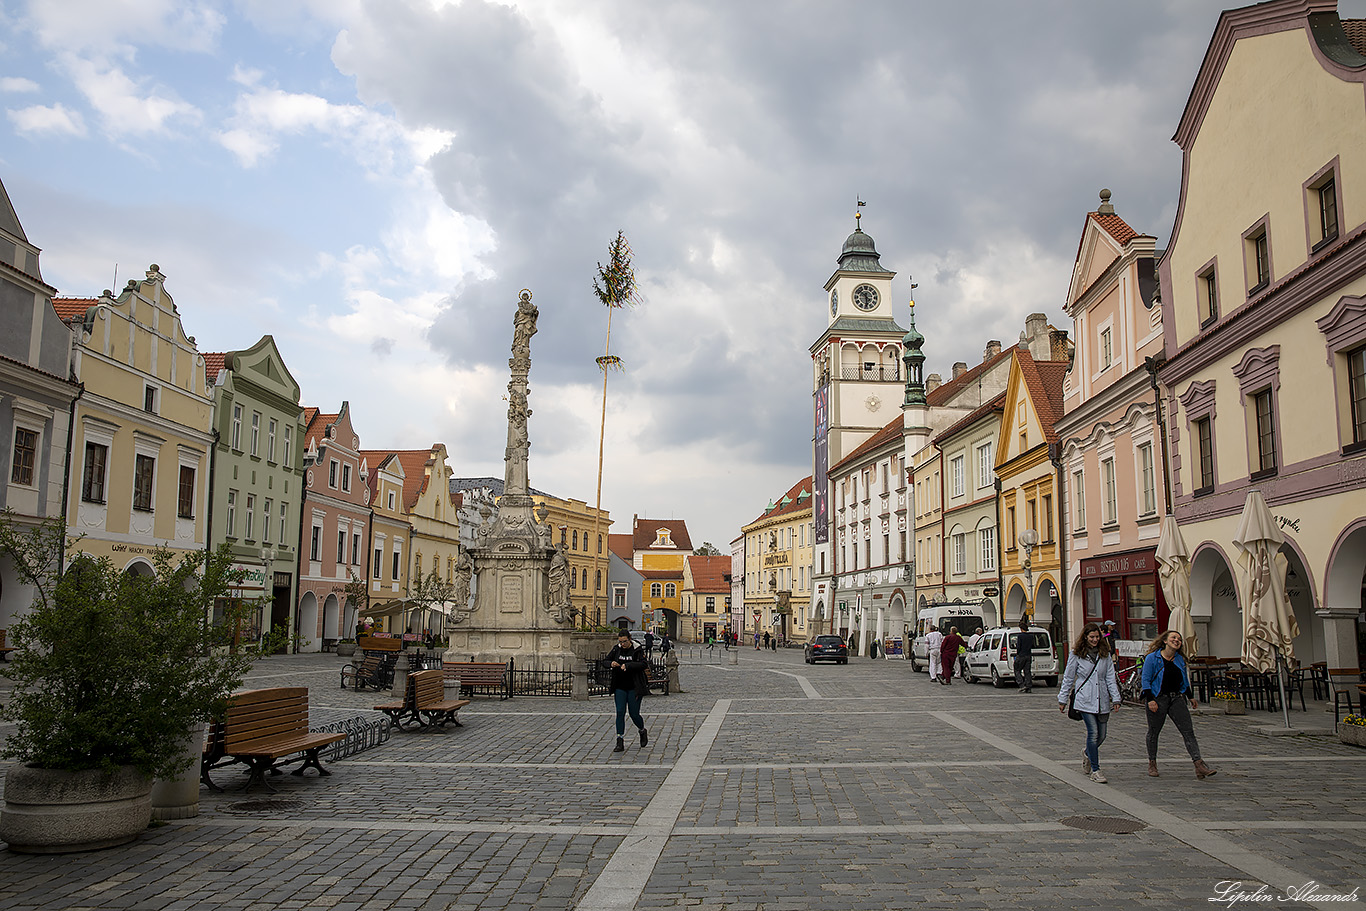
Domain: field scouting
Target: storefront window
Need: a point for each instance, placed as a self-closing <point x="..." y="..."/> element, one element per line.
<point x="1093" y="609"/>
<point x="1142" y="610"/>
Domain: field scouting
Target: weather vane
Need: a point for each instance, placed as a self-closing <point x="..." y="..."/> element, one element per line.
<point x="857" y="213"/>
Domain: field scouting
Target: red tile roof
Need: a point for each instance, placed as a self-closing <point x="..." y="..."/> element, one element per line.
<point x="70" y="308"/>
<point x="675" y="574"/>
<point x="892" y="431"/>
<point x="1044" y="381"/>
<point x="315" y="425"/>
<point x="643" y="534"/>
<point x="996" y="404"/>
<point x="794" y="495"/>
<point x="620" y="544"/>
<point x="1356" y="34"/>
<point x="213" y="362"/>
<point x="709" y="573"/>
<point x="414" y="462"/>
<point x="947" y="391"/>
<point x="1115" y="226"/>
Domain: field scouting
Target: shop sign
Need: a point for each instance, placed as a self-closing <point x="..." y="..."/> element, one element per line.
<point x="990" y="592"/>
<point x="1144" y="561"/>
<point x="782" y="559"/>
<point x="254" y="575"/>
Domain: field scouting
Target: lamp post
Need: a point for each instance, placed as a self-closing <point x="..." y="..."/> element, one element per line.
<point x="1029" y="539"/>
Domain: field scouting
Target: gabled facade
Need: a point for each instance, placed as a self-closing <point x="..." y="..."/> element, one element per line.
<point x="36" y="395"/>
<point x="659" y="548"/>
<point x="335" y="523"/>
<point x="1110" y="431"/>
<point x="777" y="551"/>
<point x="624" y="587"/>
<point x="391" y="533"/>
<point x="431" y="510"/>
<point x="971" y="553"/>
<point x="572" y="529"/>
<point x="142" y="431"/>
<point x="706" y="592"/>
<point x="1029" y="493"/>
<point x="1264" y="317"/>
<point x="258" y="476"/>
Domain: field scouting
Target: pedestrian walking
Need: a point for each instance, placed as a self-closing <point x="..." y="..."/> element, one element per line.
<point x="649" y="643"/>
<point x="1024" y="657"/>
<point x="1095" y="696"/>
<point x="933" y="640"/>
<point x="756" y="641"/>
<point x="948" y="655"/>
<point x="1166" y="690"/>
<point x="626" y="661"/>
<point x="872" y="650"/>
<point x="665" y="644"/>
<point x="765" y="641"/>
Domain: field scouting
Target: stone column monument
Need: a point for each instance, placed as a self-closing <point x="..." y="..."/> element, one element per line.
<point x="521" y="605"/>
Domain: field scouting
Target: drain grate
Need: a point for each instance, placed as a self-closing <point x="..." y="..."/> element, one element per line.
<point x="277" y="805"/>
<point x="1113" y="825"/>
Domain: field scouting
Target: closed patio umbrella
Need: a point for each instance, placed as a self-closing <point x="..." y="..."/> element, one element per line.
<point x="1269" y="626"/>
<point x="1174" y="569"/>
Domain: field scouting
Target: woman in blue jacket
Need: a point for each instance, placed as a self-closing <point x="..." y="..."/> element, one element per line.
<point x="1166" y="689"/>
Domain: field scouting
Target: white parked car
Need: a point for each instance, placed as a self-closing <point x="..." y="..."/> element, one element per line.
<point x="993" y="657"/>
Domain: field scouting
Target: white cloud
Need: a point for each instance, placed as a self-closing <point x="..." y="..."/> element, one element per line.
<point x="17" y="84"/>
<point x="126" y="107"/>
<point x="112" y="26"/>
<point x="41" y="119"/>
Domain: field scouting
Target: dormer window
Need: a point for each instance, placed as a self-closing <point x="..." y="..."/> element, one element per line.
<point x="662" y="538"/>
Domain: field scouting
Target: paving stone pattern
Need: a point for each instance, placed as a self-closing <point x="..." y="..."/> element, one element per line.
<point x="863" y="798"/>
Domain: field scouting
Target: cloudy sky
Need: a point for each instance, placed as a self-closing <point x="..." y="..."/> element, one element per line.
<point x="372" y="182"/>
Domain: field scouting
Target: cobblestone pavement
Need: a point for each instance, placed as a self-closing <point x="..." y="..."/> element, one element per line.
<point x="768" y="785"/>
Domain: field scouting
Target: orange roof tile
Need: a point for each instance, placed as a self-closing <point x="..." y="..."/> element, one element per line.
<point x="620" y="544"/>
<point x="1356" y="34"/>
<point x="414" y="462"/>
<point x="315" y="424"/>
<point x="643" y="534"/>
<point x="1115" y="226"/>
<point x="214" y="361"/>
<point x="996" y="404"/>
<point x="70" y="308"/>
<point x="709" y="573"/>
<point x="794" y="494"/>
<point x="1044" y="381"/>
<point x="892" y="431"/>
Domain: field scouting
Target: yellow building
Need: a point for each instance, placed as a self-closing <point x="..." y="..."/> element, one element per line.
<point x="1031" y="559"/>
<point x="390" y="530"/>
<point x="143" y="428"/>
<point x="572" y="526"/>
<point x="778" y="549"/>
<point x="659" y="549"/>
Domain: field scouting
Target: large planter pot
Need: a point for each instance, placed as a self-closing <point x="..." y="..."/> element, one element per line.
<point x="1355" y="734"/>
<point x="346" y="649"/>
<point x="178" y="798"/>
<point x="49" y="811"/>
<point x="1230" y="706"/>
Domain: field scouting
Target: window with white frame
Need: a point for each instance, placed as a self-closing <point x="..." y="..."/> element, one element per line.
<point x="144" y="479"/>
<point x="25" y="456"/>
<point x="960" y="555"/>
<point x="232" y="514"/>
<point x="656" y="589"/>
<point x="332" y="474"/>
<point x="377" y="562"/>
<point x="1079" y="499"/>
<point x="1110" y="510"/>
<point x="355" y="548"/>
<point x="956" y="475"/>
<point x="711" y="604"/>
<point x="93" y="473"/>
<point x="1147" y="473"/>
<point x="397" y="563"/>
<point x="315" y="544"/>
<point x="1107" y="349"/>
<point x="986" y="466"/>
<point x="670" y="590"/>
<point x="236" y="434"/>
<point x="346" y="478"/>
<point x="618" y="595"/>
<point x="287" y="444"/>
<point x="986" y="549"/>
<point x="267" y="513"/>
<point x="255" y="432"/>
<point x="284" y="521"/>
<point x="250" y="527"/>
<point x="341" y="545"/>
<point x="270" y="439"/>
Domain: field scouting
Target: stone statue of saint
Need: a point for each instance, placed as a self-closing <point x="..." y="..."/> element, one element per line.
<point x="524" y="323"/>
<point x="559" y="579"/>
<point x="464" y="571"/>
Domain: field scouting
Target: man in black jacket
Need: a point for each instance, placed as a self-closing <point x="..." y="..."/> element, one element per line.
<point x="627" y="664"/>
<point x="1024" y="656"/>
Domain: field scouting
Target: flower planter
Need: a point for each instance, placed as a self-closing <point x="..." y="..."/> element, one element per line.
<point x="346" y="649"/>
<point x="1355" y="734"/>
<point x="1230" y="706"/>
<point x="50" y="811"/>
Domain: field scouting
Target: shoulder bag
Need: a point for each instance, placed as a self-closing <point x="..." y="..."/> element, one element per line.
<point x="1072" y="711"/>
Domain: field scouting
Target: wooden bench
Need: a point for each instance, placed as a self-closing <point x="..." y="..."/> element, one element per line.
<point x="379" y="644"/>
<point x="261" y="728"/>
<point x="4" y="649"/>
<point x="375" y="671"/>
<point x="479" y="674"/>
<point x="425" y="697"/>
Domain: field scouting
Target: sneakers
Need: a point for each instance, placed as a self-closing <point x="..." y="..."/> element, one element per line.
<point x="1098" y="778"/>
<point x="620" y="747"/>
<point x="644" y="737"/>
<point x="1085" y="764"/>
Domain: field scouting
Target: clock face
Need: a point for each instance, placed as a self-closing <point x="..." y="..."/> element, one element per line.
<point x="865" y="297"/>
<point x="834" y="300"/>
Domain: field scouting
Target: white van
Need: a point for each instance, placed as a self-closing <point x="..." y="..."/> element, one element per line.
<point x="967" y="617"/>
<point x="993" y="657"/>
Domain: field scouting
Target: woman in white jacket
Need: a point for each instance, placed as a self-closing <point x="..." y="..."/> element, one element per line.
<point x="1090" y="675"/>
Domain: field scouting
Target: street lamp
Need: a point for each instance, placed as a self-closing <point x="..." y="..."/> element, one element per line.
<point x="1029" y="539"/>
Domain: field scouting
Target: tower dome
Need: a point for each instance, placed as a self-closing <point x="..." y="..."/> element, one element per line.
<point x="860" y="254"/>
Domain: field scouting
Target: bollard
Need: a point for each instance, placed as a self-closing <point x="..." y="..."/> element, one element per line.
<point x="671" y="663"/>
<point x="578" y="683"/>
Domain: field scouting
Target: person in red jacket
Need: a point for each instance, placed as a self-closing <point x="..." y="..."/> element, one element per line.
<point x="948" y="654"/>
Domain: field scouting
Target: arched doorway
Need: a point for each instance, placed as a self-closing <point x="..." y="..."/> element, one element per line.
<point x="308" y="618"/>
<point x="140" y="568"/>
<point x="331" y="620"/>
<point x="1299" y="588"/>
<point x="1015" y="604"/>
<point x="1214" y="603"/>
<point x="1344" y="598"/>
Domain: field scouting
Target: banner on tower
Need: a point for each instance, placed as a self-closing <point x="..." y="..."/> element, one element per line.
<point x="820" y="485"/>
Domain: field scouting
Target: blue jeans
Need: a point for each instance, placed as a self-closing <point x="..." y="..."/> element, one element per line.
<point x="1095" y="735"/>
<point x="627" y="700"/>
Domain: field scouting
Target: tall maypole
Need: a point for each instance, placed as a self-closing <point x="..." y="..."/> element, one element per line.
<point x="615" y="286"/>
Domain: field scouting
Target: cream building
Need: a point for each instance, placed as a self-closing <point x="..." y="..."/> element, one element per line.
<point x="777" y="567"/>
<point x="386" y="570"/>
<point x="142" y="431"/>
<point x="1264" y="317"/>
<point x="971" y="553"/>
<point x="431" y="510"/>
<point x="572" y="526"/>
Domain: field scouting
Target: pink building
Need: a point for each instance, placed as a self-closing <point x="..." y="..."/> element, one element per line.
<point x="1110" y="435"/>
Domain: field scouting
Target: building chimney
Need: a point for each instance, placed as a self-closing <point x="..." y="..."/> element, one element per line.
<point x="1036" y="331"/>
<point x="959" y="369"/>
<point x="933" y="382"/>
<point x="1061" y="349"/>
<point x="993" y="349"/>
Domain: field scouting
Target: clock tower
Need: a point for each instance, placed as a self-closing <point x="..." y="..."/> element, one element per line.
<point x="858" y="379"/>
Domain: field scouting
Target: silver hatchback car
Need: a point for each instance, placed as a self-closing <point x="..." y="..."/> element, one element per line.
<point x="993" y="657"/>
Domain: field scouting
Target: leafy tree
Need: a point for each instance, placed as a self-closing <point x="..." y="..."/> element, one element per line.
<point x="112" y="667"/>
<point x="707" y="549"/>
